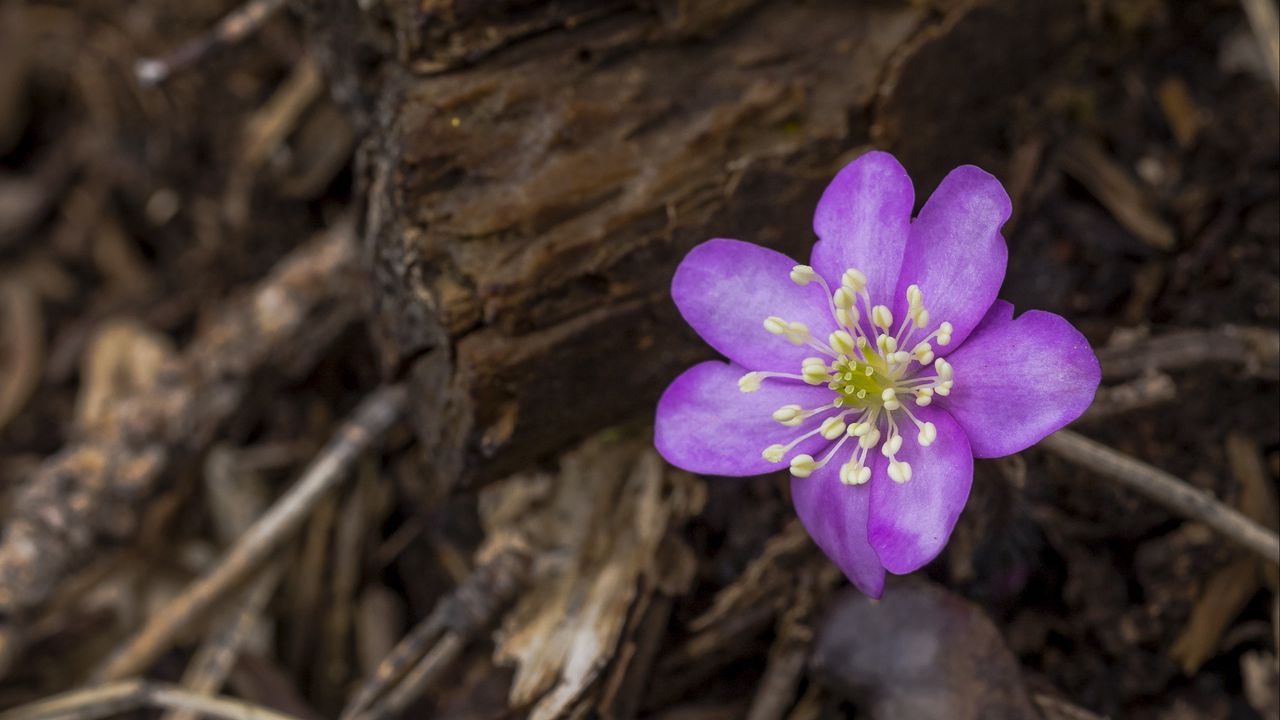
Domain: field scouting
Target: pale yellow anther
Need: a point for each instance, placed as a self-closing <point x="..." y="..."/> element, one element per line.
<point x="813" y="360"/>
<point x="803" y="465"/>
<point x="914" y="296"/>
<point x="944" y="334"/>
<point x="881" y="317"/>
<point x="854" y="280"/>
<point x="803" y="275"/>
<point x="775" y="325"/>
<point x="886" y="343"/>
<point x="891" y="446"/>
<point x="899" y="471"/>
<point x="815" y="374"/>
<point x="928" y="433"/>
<point x="847" y="318"/>
<point x="851" y="473"/>
<point x="788" y="414"/>
<point x="797" y="333"/>
<point x="750" y="382"/>
<point x="774" y="453"/>
<point x="859" y="429"/>
<point x="844" y="298"/>
<point x="832" y="428"/>
<point x="841" y="342"/>
<point x="868" y="441"/>
<point x="921" y="318"/>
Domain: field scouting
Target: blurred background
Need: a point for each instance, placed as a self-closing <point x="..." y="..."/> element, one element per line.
<point x="331" y="332"/>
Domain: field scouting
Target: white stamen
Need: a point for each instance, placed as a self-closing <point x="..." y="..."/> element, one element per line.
<point x="832" y="427"/>
<point x="881" y="317"/>
<point x="774" y="453"/>
<point x="803" y="275"/>
<point x="842" y="342"/>
<point x="775" y="325"/>
<point x="845" y="298"/>
<point x="928" y="433"/>
<point x="750" y="382"/>
<point x="803" y="465"/>
<point x="899" y="471"/>
<point x="787" y="414"/>
<point x="854" y="280"/>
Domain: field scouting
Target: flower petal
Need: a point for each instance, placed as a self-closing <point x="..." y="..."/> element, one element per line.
<point x="863" y="220"/>
<point x="705" y="424"/>
<point x="1018" y="381"/>
<point x="835" y="515"/>
<point x="955" y="252"/>
<point x="910" y="522"/>
<point x="726" y="288"/>
<point x="999" y="314"/>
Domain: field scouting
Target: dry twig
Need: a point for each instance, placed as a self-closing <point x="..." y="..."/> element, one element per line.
<point x="1266" y="27"/>
<point x="369" y="421"/>
<point x="114" y="698"/>
<point x="1165" y="489"/>
<point x="232" y="28"/>
<point x="434" y="643"/>
<point x="93" y="489"/>
<point x="1256" y="348"/>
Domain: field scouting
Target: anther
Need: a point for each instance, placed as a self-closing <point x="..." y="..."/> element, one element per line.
<point x="803" y="275"/>
<point x="832" y="428"/>
<point x="854" y="280"/>
<point x="881" y="317"/>
<point x="928" y="433"/>
<point x="844" y="298"/>
<point x="841" y="342"/>
<point x="899" y="471"/>
<point x="749" y="382"/>
<point x="775" y="325"/>
<point x="774" y="453"/>
<point x="788" y="414"/>
<point x="803" y="465"/>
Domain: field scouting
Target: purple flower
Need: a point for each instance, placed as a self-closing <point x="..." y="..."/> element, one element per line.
<point x="878" y="371"/>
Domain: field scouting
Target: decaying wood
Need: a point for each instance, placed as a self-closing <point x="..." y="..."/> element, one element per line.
<point x="532" y="179"/>
<point x="602" y="530"/>
<point x="90" y="492"/>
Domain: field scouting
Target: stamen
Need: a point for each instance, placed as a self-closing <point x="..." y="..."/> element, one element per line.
<point x="749" y="382"/>
<point x="803" y="465"/>
<point x="881" y="317"/>
<point x="803" y="275"/>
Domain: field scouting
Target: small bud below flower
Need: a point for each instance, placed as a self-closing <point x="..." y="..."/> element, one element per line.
<point x="841" y="342"/>
<point x="881" y="317"/>
<point x="749" y="382"/>
<point x="854" y="280"/>
<point x="774" y="453"/>
<point x="803" y="465"/>
<point x="803" y="275"/>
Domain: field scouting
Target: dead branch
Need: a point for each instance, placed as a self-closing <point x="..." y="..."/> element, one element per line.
<point x="415" y="660"/>
<point x="1165" y="489"/>
<point x="232" y="28"/>
<point x="114" y="698"/>
<point x="1257" y="349"/>
<point x="369" y="421"/>
<point x="1141" y="392"/>
<point x="92" y="490"/>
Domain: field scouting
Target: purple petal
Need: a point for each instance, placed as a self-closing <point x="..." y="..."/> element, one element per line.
<point x="910" y="522"/>
<point x="1000" y="313"/>
<point x="726" y="288"/>
<point x="705" y="424"/>
<point x="863" y="220"/>
<point x="835" y="515"/>
<point x="956" y="254"/>
<point x="1018" y="381"/>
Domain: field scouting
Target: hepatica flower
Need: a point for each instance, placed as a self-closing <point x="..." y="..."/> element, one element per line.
<point x="877" y="372"/>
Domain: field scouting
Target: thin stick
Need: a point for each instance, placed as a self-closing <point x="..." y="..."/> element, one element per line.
<point x="1266" y="28"/>
<point x="470" y="607"/>
<point x="369" y="421"/>
<point x="102" y="701"/>
<point x="232" y="28"/>
<point x="1165" y="489"/>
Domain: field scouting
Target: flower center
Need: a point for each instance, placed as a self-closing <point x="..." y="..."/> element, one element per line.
<point x="872" y="377"/>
